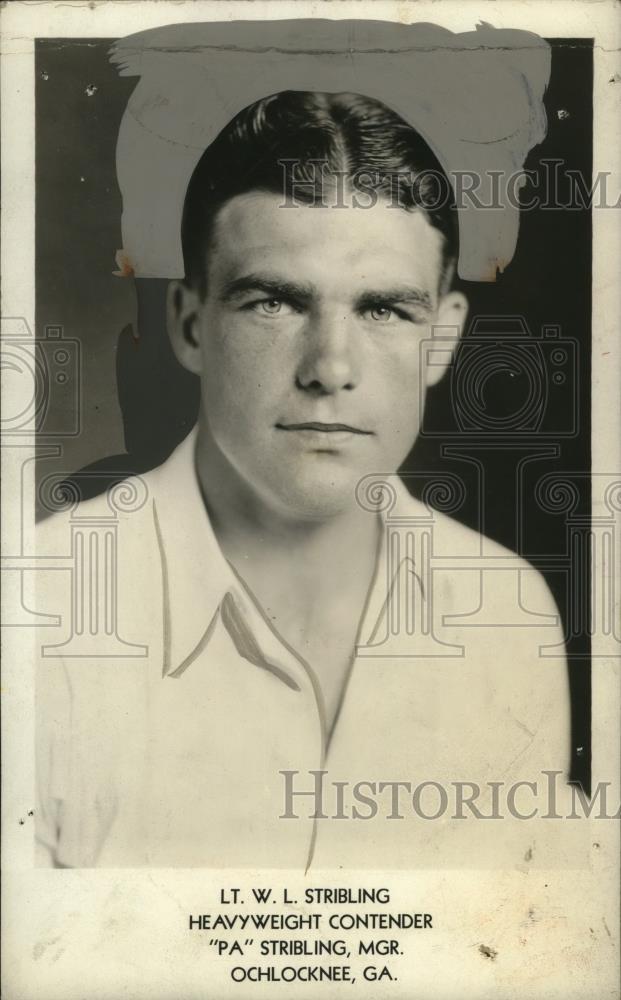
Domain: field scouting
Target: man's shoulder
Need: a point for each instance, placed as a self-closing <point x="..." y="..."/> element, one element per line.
<point x="469" y="557"/>
<point x="129" y="501"/>
<point x="450" y="536"/>
<point x="105" y="547"/>
<point x="124" y="502"/>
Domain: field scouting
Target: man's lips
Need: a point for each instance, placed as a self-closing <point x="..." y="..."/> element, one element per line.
<point x="318" y="427"/>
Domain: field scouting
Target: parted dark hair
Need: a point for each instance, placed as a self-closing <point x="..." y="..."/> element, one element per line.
<point x="276" y="144"/>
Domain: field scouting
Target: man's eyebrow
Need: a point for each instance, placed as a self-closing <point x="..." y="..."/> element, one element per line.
<point x="270" y="284"/>
<point x="403" y="294"/>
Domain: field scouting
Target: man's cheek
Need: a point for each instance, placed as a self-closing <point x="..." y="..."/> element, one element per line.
<point x="258" y="366"/>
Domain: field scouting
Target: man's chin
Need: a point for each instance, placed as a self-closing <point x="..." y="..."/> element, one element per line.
<point x="317" y="498"/>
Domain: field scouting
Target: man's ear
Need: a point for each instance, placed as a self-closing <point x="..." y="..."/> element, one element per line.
<point x="447" y="328"/>
<point x="182" y="314"/>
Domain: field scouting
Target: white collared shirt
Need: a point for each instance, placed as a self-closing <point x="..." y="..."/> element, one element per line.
<point x="163" y="733"/>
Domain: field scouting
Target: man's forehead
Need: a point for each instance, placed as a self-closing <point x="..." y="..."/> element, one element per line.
<point x="255" y="231"/>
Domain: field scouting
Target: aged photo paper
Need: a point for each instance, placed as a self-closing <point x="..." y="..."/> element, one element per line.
<point x="311" y="485"/>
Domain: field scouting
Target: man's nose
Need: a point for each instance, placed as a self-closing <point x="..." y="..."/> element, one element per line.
<point x="330" y="360"/>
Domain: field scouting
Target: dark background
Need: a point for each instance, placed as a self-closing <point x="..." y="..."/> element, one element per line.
<point x="118" y="402"/>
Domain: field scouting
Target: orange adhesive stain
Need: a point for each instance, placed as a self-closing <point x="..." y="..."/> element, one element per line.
<point x="124" y="264"/>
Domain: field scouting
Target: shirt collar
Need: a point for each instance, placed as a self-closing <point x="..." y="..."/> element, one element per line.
<point x="196" y="576"/>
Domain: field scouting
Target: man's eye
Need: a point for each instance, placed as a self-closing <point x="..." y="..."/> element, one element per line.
<point x="270" y="306"/>
<point x="391" y="315"/>
<point x="382" y="314"/>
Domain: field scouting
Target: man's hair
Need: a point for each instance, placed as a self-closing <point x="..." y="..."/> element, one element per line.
<point x="294" y="144"/>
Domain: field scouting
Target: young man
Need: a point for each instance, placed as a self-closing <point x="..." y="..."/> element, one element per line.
<point x="317" y="260"/>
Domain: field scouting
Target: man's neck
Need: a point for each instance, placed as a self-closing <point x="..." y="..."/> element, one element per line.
<point x="251" y="531"/>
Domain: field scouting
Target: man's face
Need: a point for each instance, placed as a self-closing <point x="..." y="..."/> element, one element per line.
<point x="308" y="346"/>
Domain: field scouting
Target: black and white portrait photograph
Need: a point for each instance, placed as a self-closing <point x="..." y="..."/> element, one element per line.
<point x="312" y="488"/>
